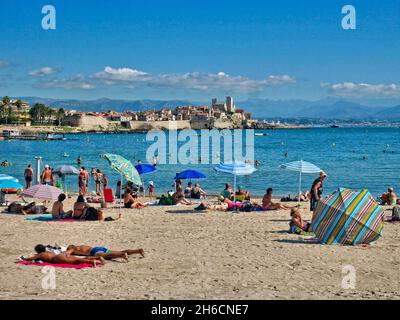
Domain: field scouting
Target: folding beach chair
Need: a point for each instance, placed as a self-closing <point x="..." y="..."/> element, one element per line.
<point x="108" y="196"/>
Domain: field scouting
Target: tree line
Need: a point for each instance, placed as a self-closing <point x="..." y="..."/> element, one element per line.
<point x="39" y="113"/>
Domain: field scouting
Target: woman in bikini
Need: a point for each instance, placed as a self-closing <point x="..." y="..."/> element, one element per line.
<point x="80" y="207"/>
<point x="130" y="202"/>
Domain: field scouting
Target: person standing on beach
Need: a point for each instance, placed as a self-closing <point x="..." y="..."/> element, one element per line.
<point x="98" y="178"/>
<point x="82" y="181"/>
<point x="47" y="175"/>
<point x="28" y="174"/>
<point x="155" y="161"/>
<point x="79" y="161"/>
<point x="316" y="190"/>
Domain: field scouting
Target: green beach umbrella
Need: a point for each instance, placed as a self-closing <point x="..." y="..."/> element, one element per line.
<point x="124" y="167"/>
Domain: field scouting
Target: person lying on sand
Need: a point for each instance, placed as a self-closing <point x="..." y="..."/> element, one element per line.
<point x="51" y="257"/>
<point x="105" y="253"/>
<point x="58" y="208"/>
<point x="267" y="203"/>
<point x="130" y="202"/>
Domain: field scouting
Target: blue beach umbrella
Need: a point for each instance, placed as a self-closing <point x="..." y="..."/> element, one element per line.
<point x="8" y="182"/>
<point x="237" y="168"/>
<point x="301" y="167"/>
<point x="189" y="174"/>
<point x="145" y="169"/>
<point x="5" y="177"/>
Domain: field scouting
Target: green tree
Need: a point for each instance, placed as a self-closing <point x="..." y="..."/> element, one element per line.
<point x="38" y="113"/>
<point x="60" y="114"/>
<point x="6" y="100"/>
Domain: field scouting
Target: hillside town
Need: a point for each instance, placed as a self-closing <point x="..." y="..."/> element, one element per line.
<point x="219" y="115"/>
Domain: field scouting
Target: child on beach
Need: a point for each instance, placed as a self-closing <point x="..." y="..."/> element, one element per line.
<point x="151" y="188"/>
<point x="297" y="224"/>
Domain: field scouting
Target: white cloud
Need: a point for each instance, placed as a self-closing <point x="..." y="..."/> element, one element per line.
<point x="132" y="78"/>
<point x="192" y="80"/>
<point x="45" y="71"/>
<point x="78" y="82"/>
<point x="351" y="89"/>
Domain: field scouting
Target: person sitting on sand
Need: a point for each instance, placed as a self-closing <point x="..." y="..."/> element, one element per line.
<point x="227" y="193"/>
<point x="188" y="190"/>
<point x="244" y="193"/>
<point x="197" y="192"/>
<point x="267" y="203"/>
<point x="58" y="208"/>
<point x="297" y="224"/>
<point x="61" y="258"/>
<point x="179" y="198"/>
<point x="389" y="197"/>
<point x="130" y="202"/>
<point x="80" y="207"/>
<point x="87" y="251"/>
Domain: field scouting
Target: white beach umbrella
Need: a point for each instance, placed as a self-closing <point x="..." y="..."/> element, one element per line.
<point x="237" y="168"/>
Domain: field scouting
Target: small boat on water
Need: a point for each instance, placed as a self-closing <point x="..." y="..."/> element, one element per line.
<point x="334" y="126"/>
<point x="262" y="134"/>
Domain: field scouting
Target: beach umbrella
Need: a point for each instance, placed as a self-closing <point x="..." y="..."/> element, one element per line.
<point x="44" y="192"/>
<point x="6" y="177"/>
<point x="6" y="184"/>
<point x="189" y="174"/>
<point x="125" y="169"/>
<point x="145" y="169"/>
<point x="348" y="217"/>
<point x="301" y="167"/>
<point x="66" y="170"/>
<point x="237" y="168"/>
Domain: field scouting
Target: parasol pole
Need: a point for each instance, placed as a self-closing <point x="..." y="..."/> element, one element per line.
<point x="299" y="187"/>
<point x="234" y="192"/>
<point x="120" y="194"/>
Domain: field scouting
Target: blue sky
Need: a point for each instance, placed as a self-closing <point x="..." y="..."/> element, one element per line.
<point x="195" y="50"/>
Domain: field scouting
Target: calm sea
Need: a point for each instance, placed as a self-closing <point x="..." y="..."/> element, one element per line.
<point x="340" y="152"/>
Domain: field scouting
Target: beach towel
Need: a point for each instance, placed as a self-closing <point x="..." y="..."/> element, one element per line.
<point x="57" y="265"/>
<point x="49" y="218"/>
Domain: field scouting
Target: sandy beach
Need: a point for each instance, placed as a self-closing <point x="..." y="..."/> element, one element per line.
<point x="190" y="255"/>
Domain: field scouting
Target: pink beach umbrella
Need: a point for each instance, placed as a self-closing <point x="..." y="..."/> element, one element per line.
<point x="43" y="192"/>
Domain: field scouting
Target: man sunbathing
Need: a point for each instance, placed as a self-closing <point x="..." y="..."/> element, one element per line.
<point x="101" y="252"/>
<point x="51" y="257"/>
<point x="267" y="203"/>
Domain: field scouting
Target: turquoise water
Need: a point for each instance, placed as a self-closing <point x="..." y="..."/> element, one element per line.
<point x="331" y="149"/>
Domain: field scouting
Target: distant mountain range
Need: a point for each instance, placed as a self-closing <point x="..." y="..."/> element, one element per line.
<point x="328" y="108"/>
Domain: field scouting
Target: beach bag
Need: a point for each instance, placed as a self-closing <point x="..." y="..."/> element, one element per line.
<point x="92" y="214"/>
<point x="166" y="200"/>
<point x="396" y="214"/>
